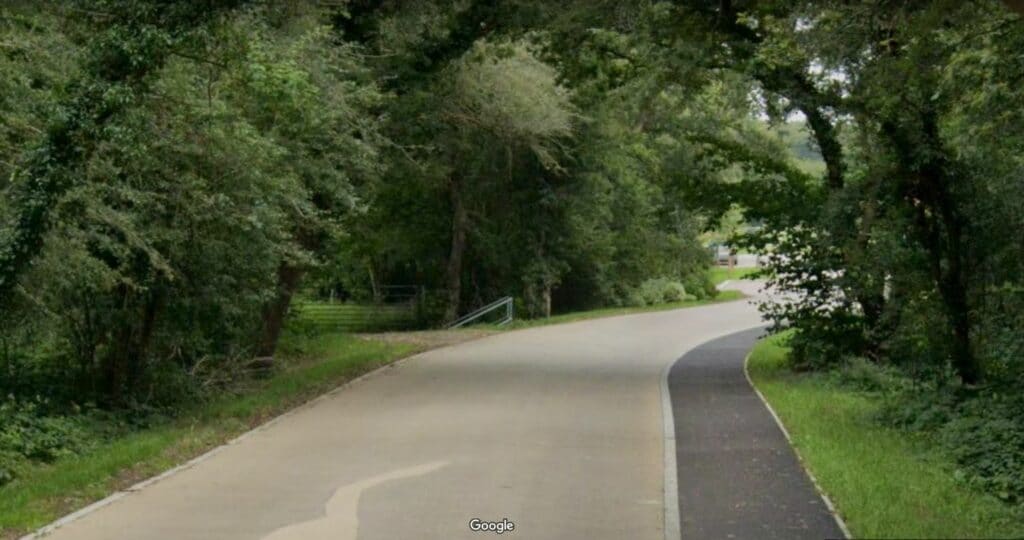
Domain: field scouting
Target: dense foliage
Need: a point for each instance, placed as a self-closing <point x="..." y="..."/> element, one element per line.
<point x="912" y="258"/>
<point x="173" y="174"/>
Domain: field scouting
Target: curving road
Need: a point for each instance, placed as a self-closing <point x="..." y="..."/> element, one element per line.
<point x="559" y="429"/>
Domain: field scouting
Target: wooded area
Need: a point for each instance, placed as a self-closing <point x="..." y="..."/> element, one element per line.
<point x="174" y="174"/>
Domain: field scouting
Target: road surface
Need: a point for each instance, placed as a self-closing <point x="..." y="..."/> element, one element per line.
<point x="737" y="475"/>
<point x="557" y="429"/>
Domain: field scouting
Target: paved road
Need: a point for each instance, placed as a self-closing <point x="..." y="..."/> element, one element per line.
<point x="738" y="476"/>
<point x="559" y="429"/>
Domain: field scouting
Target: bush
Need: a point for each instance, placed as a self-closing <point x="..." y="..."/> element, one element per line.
<point x="813" y="346"/>
<point x="27" y="433"/>
<point x="674" y="292"/>
<point x="700" y="286"/>
<point x="986" y="437"/>
<point x="633" y="299"/>
<point x="867" y="376"/>
<point x="921" y="407"/>
<point x="658" y="291"/>
<point x="9" y="464"/>
<point x="983" y="432"/>
<point x="651" y="292"/>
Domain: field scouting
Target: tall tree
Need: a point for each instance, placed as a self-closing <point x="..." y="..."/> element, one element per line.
<point x="137" y="38"/>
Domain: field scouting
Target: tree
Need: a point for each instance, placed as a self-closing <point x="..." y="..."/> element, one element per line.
<point x="138" y="38"/>
<point x="497" y="94"/>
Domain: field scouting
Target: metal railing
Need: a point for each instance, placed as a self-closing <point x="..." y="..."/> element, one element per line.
<point x="505" y="302"/>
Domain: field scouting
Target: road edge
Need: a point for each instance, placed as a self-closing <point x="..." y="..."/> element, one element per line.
<point x="672" y="526"/>
<point x="803" y="465"/>
<point x="673" y="521"/>
<point x="49" y="528"/>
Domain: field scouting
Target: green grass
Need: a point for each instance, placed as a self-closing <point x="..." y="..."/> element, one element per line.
<point x="314" y="365"/>
<point x="722" y="273"/>
<point x="723" y="296"/>
<point x="886" y="483"/>
<point x="350" y="317"/>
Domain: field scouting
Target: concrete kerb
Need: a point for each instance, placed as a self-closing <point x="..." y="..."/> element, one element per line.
<point x="778" y="421"/>
<point x="672" y="523"/>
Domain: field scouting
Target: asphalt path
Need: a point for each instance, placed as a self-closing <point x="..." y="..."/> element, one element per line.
<point x="738" y="476"/>
<point x="560" y="430"/>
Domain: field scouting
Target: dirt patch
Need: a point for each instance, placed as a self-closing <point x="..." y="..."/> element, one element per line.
<point x="430" y="339"/>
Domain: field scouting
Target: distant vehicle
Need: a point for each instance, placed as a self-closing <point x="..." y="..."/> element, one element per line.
<point x="722" y="254"/>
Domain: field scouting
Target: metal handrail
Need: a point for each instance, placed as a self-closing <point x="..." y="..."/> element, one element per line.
<point x="505" y="302"/>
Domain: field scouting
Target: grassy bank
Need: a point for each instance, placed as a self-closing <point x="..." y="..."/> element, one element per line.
<point x="720" y="274"/>
<point x="723" y="296"/>
<point x="886" y="483"/>
<point x="312" y="366"/>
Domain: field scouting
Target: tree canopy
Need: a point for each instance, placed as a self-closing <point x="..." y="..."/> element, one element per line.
<point x="173" y="174"/>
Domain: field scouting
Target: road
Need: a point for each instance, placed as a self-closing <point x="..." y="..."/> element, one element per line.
<point x="558" y="429"/>
<point x="737" y="475"/>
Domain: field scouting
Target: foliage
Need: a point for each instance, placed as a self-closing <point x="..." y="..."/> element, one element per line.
<point x="986" y="437"/>
<point x="506" y="91"/>
<point x="28" y="433"/>
<point x="899" y="253"/>
<point x="658" y="291"/>
<point x="982" y="432"/>
<point x="173" y="174"/>
<point x="808" y="273"/>
<point x="885" y="482"/>
<point x="134" y="40"/>
<point x="246" y="152"/>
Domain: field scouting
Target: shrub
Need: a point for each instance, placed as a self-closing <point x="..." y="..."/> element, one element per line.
<point x="922" y="407"/>
<point x="986" y="438"/>
<point x="658" y="291"/>
<point x="867" y="376"/>
<point x="27" y="433"/>
<point x="652" y="291"/>
<point x="10" y="462"/>
<point x="983" y="432"/>
<point x="674" y="292"/>
<point x="700" y="286"/>
<point x="634" y="299"/>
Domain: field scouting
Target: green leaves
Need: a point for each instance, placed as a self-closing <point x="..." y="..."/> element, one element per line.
<point x="135" y="41"/>
<point x="505" y="91"/>
<point x="189" y="163"/>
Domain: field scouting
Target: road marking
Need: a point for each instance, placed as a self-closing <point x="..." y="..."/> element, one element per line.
<point x="46" y="530"/>
<point x="341" y="512"/>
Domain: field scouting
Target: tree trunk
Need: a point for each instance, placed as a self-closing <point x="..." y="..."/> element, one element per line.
<point x="964" y="361"/>
<point x="460" y="223"/>
<point x="374" y="286"/>
<point x="940" y="228"/>
<point x="274" y="312"/>
<point x="547" y="300"/>
<point x="831" y="150"/>
<point x="953" y="285"/>
<point x="139" y="351"/>
<point x="115" y="363"/>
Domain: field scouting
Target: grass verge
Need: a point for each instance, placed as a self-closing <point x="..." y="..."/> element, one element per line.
<point x="886" y="483"/>
<point x="720" y="274"/>
<point x="723" y="296"/>
<point x="313" y="365"/>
